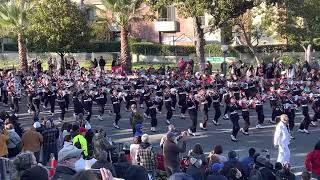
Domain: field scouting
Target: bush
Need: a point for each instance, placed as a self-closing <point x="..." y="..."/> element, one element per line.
<point x="104" y="47"/>
<point x="288" y="60"/>
<point x="10" y="47"/>
<point x="146" y="48"/>
<point x="215" y="50"/>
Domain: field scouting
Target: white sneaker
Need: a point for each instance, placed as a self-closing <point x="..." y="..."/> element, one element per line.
<point x="306" y="131"/>
<point x="60" y="119"/>
<point x="29" y="111"/>
<point x="202" y="127"/>
<point x="141" y="106"/>
<point x="183" y="116"/>
<point x="301" y="130"/>
<point x="173" y="109"/>
<point x="44" y="107"/>
<point x="258" y="126"/>
<point x="215" y="123"/>
<point x="168" y="122"/>
<point x="153" y="129"/>
<point x="100" y="118"/>
<point x="145" y="115"/>
<point x="244" y="132"/>
<point x="234" y="139"/>
<point x="292" y="137"/>
<point x="116" y="126"/>
<point x="226" y="116"/>
<point x="191" y="133"/>
<point x="314" y="124"/>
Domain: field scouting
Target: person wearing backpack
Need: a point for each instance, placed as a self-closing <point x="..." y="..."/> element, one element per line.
<point x="14" y="142"/>
<point x="80" y="141"/>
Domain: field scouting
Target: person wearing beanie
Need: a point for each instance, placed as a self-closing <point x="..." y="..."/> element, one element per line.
<point x="215" y="172"/>
<point x="80" y="141"/>
<point x="232" y="162"/>
<point x="146" y="156"/>
<point x="32" y="141"/>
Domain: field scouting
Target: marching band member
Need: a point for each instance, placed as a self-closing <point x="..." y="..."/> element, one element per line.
<point x="87" y="103"/>
<point x="101" y="100"/>
<point x="216" y="106"/>
<point x="61" y="103"/>
<point x="192" y="105"/>
<point x="304" y="125"/>
<point x="182" y="100"/>
<point x="244" y="104"/>
<point x="203" y="107"/>
<point x="115" y="99"/>
<point x="316" y="109"/>
<point x="258" y="106"/>
<point x="234" y="117"/>
<point x="168" y="105"/>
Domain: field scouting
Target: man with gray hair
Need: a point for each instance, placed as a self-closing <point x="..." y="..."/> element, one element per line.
<point x="146" y="156"/>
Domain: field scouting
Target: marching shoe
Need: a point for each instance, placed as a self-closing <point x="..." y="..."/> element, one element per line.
<point x="215" y="123"/>
<point x="244" y="132"/>
<point x="116" y="126"/>
<point x="234" y="139"/>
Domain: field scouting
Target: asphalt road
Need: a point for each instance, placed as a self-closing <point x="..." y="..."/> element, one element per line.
<point x="258" y="138"/>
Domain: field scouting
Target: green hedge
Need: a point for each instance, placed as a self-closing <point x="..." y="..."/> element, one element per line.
<point x="104" y="47"/>
<point x="10" y="47"/>
<point x="161" y="50"/>
<point x="273" y="48"/>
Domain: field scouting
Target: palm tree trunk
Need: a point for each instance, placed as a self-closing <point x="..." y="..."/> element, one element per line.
<point x="199" y="34"/>
<point x="22" y="53"/>
<point x="125" y="56"/>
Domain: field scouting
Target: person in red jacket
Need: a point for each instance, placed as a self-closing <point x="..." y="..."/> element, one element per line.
<point x="312" y="161"/>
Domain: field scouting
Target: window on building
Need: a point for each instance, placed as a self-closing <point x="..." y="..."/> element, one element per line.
<point x="167" y="13"/>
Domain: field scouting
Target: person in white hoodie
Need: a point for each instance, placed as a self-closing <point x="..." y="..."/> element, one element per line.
<point x="282" y="140"/>
<point x="68" y="150"/>
<point x="14" y="142"/>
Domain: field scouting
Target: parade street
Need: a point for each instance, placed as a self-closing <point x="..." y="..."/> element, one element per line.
<point x="259" y="138"/>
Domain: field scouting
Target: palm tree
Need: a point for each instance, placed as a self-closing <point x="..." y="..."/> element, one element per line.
<point x="124" y="13"/>
<point x="13" y="20"/>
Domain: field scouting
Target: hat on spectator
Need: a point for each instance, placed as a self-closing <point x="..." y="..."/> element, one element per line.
<point x="36" y="172"/>
<point x="36" y="125"/>
<point x="170" y="136"/>
<point x="232" y="154"/>
<point x="180" y="176"/>
<point x="216" y="167"/>
<point x="69" y="153"/>
<point x="82" y="130"/>
<point x="145" y="138"/>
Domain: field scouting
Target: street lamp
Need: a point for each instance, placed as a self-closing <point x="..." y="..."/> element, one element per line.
<point x="224" y="49"/>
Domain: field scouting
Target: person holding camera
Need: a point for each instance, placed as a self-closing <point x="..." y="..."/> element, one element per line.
<point x="171" y="151"/>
